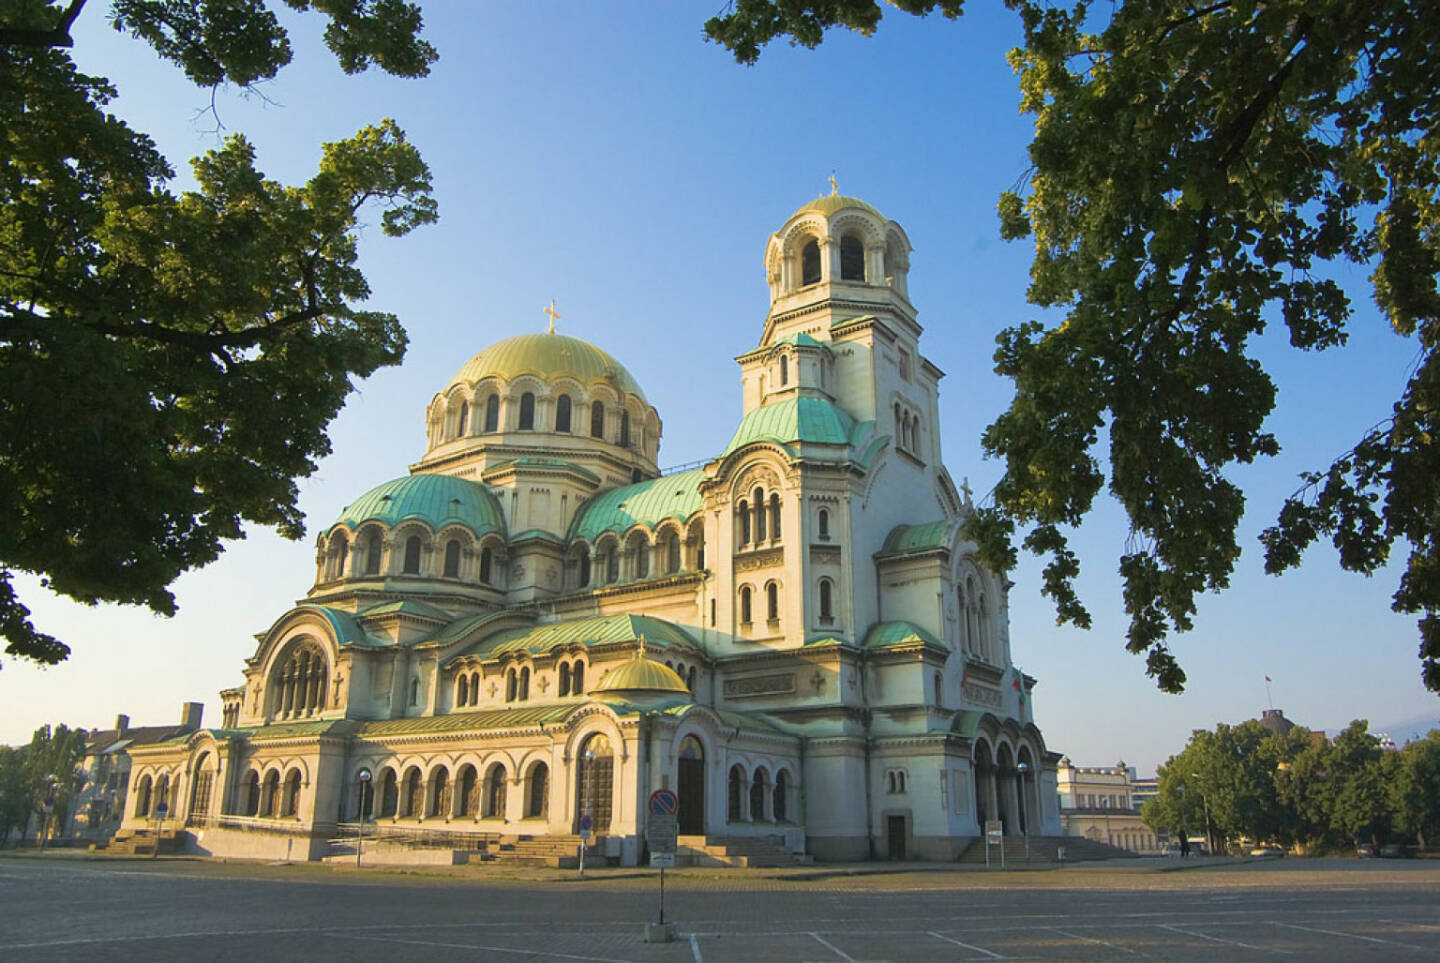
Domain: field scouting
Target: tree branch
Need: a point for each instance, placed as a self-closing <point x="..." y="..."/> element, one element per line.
<point x="57" y="37"/>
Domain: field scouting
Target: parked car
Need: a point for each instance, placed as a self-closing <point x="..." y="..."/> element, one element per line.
<point x="1396" y="851"/>
<point x="1365" y="849"/>
<point x="1267" y="852"/>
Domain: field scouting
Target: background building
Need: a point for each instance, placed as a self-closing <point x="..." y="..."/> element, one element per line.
<point x="1103" y="804"/>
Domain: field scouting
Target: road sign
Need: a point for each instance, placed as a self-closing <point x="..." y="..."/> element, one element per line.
<point x="161" y="811"/>
<point x="663" y="802"/>
<point x="994" y="832"/>
<point x="661" y="830"/>
<point x="662" y="860"/>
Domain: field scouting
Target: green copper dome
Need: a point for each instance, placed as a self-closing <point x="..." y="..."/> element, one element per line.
<point x="547" y="356"/>
<point x="642" y="675"/>
<point x="831" y="203"/>
<point x="437" y="500"/>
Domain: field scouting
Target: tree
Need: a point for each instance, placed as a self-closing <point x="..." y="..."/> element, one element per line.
<point x="53" y="773"/>
<point x="169" y="363"/>
<point x="15" y="800"/>
<point x="1414" y="789"/>
<point x="1197" y="167"/>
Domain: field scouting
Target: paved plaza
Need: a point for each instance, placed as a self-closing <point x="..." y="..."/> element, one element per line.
<point x="66" y="908"/>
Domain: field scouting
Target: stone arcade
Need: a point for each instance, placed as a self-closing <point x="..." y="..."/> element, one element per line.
<point x="536" y="624"/>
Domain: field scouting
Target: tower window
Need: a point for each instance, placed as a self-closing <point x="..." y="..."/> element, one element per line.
<point x="827" y="600"/>
<point x="742" y="521"/>
<point x="412" y="555"/>
<point x="810" y="263"/>
<point x="487" y="565"/>
<point x="452" y="558"/>
<point x="745" y="604"/>
<point x="824" y="521"/>
<point x="492" y="413"/>
<point x="562" y="414"/>
<point x="463" y="423"/>
<point x="759" y="515"/>
<point x="772" y="602"/>
<point x="624" y="429"/>
<point x="527" y="412"/>
<point x="784" y="373"/>
<point x="774" y="515"/>
<point x="852" y="259"/>
<point x="372" y="554"/>
<point x="597" y="420"/>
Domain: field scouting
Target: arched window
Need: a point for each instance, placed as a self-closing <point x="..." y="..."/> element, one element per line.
<point x="389" y="794"/>
<point x="612" y="564"/>
<point x="487" y="565"/>
<point x="298" y="682"/>
<point x="624" y="429"/>
<point x="745" y="604"/>
<point x="772" y="601"/>
<point x="759" y="789"/>
<point x="452" y="558"/>
<point x="270" y="795"/>
<point x="597" y="420"/>
<point x="778" y="803"/>
<point x="439" y="792"/>
<point x="564" y="679"/>
<point x="641" y="548"/>
<point x="810" y="262"/>
<point x="672" y="554"/>
<point x="339" y="551"/>
<point x="494" y="793"/>
<point x="562" y="414"/>
<point x="462" y="424"/>
<point x="577" y="678"/>
<point x="784" y="370"/>
<point x="413" y="799"/>
<point x="511" y="685"/>
<point x="142" y="796"/>
<point x="742" y="521"/>
<point x="774" y="515"/>
<point x="537" y="798"/>
<point x="290" y="803"/>
<point x="759" y="516"/>
<point x="852" y="259"/>
<point x="524" y="690"/>
<point x="372" y="553"/>
<point x="595" y="780"/>
<point x="827" y="600"/>
<point x="412" y="555"/>
<point x="252" y="793"/>
<point x="492" y="413"/>
<point x="527" y="411"/>
<point x="824" y="523"/>
<point x="584" y="568"/>
<point x="466" y="785"/>
<point x="939" y="688"/>
<point x="462" y="691"/>
<point x="735" y="794"/>
<point x="690" y="679"/>
<point x="414" y="692"/>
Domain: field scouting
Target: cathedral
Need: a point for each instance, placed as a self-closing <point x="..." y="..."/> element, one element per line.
<point x="536" y="628"/>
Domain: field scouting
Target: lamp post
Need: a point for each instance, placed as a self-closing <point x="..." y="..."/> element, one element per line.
<point x="1184" y="844"/>
<point x="1023" y="768"/>
<point x="585" y="814"/>
<point x="364" y="775"/>
<point x="47" y="808"/>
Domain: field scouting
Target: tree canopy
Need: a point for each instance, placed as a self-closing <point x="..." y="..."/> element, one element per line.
<point x="1197" y="171"/>
<point x="169" y="362"/>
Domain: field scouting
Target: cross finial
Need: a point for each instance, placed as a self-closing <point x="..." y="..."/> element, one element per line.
<point x="640" y="646"/>
<point x="554" y="316"/>
<point x="834" y="187"/>
<point x="965" y="489"/>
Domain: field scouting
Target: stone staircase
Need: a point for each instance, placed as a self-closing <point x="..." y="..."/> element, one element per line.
<point x="1043" y="851"/>
<point x="140" y="842"/>
<point x="743" y="851"/>
<point x="556" y="852"/>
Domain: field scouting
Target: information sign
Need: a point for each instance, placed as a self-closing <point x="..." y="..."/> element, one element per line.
<point x="585" y="823"/>
<point x="994" y="832"/>
<point x="161" y="811"/>
<point x="662" y="860"/>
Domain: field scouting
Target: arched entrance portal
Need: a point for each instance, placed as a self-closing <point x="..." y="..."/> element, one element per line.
<point x="692" y="787"/>
<point x="596" y="778"/>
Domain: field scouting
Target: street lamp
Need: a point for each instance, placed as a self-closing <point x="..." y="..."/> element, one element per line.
<point x="47" y="808"/>
<point x="364" y="775"/>
<point x="1205" y="801"/>
<point x="1023" y="768"/>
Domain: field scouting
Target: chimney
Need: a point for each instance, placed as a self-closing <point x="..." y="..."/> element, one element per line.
<point x="122" y="722"/>
<point x="190" y="714"/>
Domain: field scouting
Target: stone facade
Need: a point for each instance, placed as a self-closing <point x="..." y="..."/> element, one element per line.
<point x="1100" y="803"/>
<point x="826" y="662"/>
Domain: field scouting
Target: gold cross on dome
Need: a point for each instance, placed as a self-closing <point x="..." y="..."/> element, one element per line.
<point x="834" y="187"/>
<point x="640" y="646"/>
<point x="554" y="316"/>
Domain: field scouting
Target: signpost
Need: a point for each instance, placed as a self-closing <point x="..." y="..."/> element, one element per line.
<point x="161" y="811"/>
<point x="662" y="827"/>
<point x="994" y="836"/>
<point x="585" y="823"/>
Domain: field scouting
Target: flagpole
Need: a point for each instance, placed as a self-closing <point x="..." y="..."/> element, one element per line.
<point x="1268" y="697"/>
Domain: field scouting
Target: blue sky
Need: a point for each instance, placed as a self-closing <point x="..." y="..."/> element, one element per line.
<point x="607" y="157"/>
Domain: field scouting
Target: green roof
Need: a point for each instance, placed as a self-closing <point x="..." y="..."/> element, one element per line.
<point x="800" y="339"/>
<point x="347" y="628"/>
<point x="832" y="203"/>
<point x="806" y="420"/>
<point x="437" y="500"/>
<point x="547" y="357"/>
<point x="648" y="503"/>
<point x="283" y="730"/>
<point x="912" y="539"/>
<point x="493" y="719"/>
<point x="588" y="632"/>
<point x="730" y="717"/>
<point x="885" y="635"/>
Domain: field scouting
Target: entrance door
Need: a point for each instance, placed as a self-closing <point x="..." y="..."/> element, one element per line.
<point x="596" y="774"/>
<point x="896" y="832"/>
<point x="692" y="787"/>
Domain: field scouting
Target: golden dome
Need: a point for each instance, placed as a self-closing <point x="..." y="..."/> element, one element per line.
<point x="547" y="357"/>
<point x="641" y="674"/>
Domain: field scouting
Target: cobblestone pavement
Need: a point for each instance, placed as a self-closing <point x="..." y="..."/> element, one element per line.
<point x="66" y="908"/>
